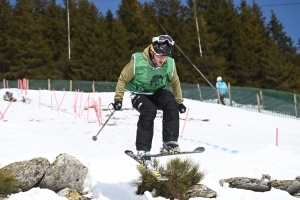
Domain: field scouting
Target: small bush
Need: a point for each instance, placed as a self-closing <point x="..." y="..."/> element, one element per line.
<point x="7" y="183"/>
<point x="182" y="175"/>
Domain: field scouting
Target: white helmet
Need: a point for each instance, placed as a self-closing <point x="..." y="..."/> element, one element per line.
<point x="219" y="78"/>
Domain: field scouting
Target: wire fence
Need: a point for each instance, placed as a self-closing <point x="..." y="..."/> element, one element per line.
<point x="266" y="101"/>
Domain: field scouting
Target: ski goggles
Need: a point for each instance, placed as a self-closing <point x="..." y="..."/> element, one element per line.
<point x="163" y="38"/>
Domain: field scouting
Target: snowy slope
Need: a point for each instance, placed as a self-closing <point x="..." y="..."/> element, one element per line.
<point x="237" y="142"/>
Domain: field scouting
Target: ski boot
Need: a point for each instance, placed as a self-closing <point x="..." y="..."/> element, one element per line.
<point x="145" y="156"/>
<point x="170" y="147"/>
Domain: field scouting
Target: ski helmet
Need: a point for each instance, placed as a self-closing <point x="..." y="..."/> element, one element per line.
<point x="162" y="45"/>
<point x="219" y="78"/>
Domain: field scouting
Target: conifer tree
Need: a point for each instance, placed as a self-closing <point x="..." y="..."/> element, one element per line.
<point x="252" y="49"/>
<point x="171" y="20"/>
<point x="26" y="43"/>
<point x="221" y="25"/>
<point x="276" y="32"/>
<point x="285" y="59"/>
<point x="130" y="13"/>
<point x="5" y="18"/>
<point x="116" y="53"/>
<point x="56" y="36"/>
<point x="84" y="39"/>
<point x="235" y="42"/>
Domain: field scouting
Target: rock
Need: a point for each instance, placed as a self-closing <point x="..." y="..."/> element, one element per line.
<point x="266" y="177"/>
<point x="72" y="194"/>
<point x="65" y="172"/>
<point x="247" y="184"/>
<point x="200" y="190"/>
<point x="27" y="173"/>
<point x="291" y="186"/>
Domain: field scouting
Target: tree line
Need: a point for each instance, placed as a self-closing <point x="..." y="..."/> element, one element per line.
<point x="237" y="42"/>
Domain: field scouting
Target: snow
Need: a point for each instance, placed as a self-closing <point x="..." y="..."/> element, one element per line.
<point x="237" y="142"/>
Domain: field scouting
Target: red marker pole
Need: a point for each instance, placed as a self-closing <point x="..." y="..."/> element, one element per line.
<point x="185" y="121"/>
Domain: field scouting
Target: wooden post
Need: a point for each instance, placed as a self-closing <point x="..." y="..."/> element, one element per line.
<point x="295" y="101"/>
<point x="229" y="93"/>
<point x="70" y="85"/>
<point x="199" y="90"/>
<point x="258" y="103"/>
<point x="93" y="87"/>
<point x="4" y="83"/>
<point x="219" y="98"/>
<point x="261" y="100"/>
<point x="49" y="84"/>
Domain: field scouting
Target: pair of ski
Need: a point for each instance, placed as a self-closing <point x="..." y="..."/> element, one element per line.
<point x="155" y="173"/>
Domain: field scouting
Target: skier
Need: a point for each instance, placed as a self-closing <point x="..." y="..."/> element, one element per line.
<point x="222" y="88"/>
<point x="146" y="76"/>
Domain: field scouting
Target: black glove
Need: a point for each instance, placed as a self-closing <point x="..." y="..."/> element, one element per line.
<point x="181" y="108"/>
<point x="117" y="105"/>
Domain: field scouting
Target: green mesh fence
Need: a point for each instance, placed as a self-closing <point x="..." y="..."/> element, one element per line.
<point x="273" y="102"/>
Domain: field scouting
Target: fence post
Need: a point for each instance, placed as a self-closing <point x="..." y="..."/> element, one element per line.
<point x="27" y="81"/>
<point x="70" y="85"/>
<point x="4" y="83"/>
<point x="93" y="87"/>
<point x="218" y="94"/>
<point x="258" y="103"/>
<point x="295" y="101"/>
<point x="49" y="84"/>
<point x="200" y="94"/>
<point x="229" y="93"/>
<point x="261" y="100"/>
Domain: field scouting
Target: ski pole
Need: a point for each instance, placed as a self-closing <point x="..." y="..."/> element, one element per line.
<point x="95" y="136"/>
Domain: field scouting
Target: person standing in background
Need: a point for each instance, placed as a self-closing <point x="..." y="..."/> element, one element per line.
<point x="222" y="89"/>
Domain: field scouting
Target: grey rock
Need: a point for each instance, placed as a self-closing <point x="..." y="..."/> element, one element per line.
<point x="291" y="186"/>
<point x="65" y="172"/>
<point x="297" y="195"/>
<point x="27" y="173"/>
<point x="200" y="190"/>
<point x="266" y="177"/>
<point x="247" y="184"/>
<point x="72" y="194"/>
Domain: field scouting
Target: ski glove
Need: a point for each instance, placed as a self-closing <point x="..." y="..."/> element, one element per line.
<point x="181" y="108"/>
<point x="117" y="105"/>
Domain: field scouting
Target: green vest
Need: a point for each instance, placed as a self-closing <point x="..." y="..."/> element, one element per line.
<point x="147" y="79"/>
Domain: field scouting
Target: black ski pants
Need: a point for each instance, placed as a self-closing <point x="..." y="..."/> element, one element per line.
<point x="147" y="106"/>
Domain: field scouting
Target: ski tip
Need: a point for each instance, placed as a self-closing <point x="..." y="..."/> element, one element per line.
<point x="128" y="152"/>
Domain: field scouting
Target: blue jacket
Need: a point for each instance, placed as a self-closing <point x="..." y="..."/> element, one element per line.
<point x="222" y="87"/>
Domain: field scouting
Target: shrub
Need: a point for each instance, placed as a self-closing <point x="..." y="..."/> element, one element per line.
<point x="182" y="175"/>
<point x="7" y="183"/>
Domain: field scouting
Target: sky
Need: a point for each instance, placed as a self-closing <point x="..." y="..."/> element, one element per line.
<point x="238" y="143"/>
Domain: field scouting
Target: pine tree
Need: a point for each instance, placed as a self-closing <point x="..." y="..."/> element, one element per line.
<point x="252" y="48"/>
<point x="116" y="53"/>
<point x="286" y="59"/>
<point x="26" y="43"/>
<point x="130" y="13"/>
<point x="275" y="31"/>
<point x="5" y="18"/>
